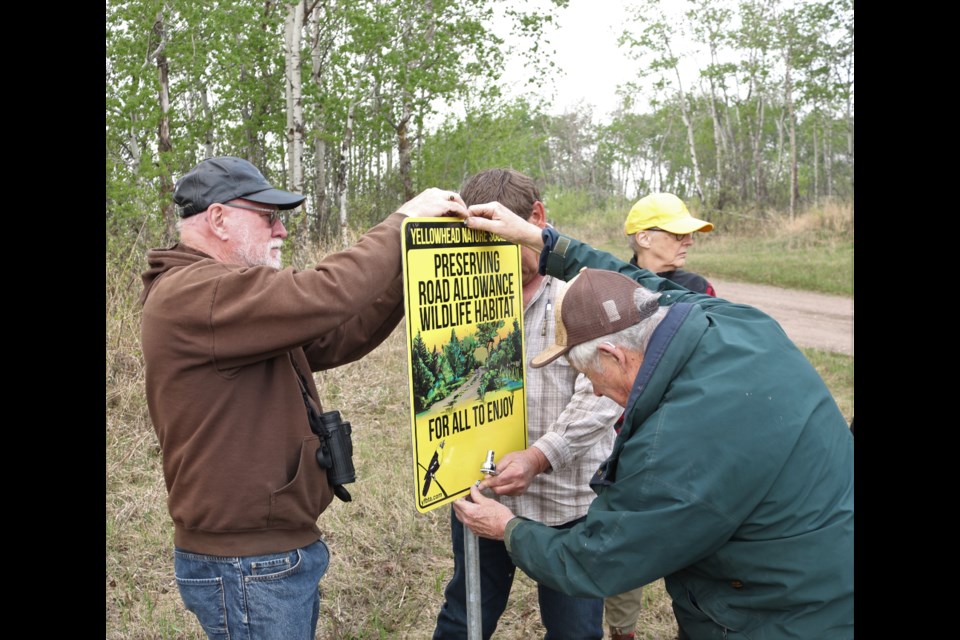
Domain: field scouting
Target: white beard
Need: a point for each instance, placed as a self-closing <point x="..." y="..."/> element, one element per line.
<point x="253" y="254"/>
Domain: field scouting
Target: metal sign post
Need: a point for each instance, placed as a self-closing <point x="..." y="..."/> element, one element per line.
<point x="471" y="552"/>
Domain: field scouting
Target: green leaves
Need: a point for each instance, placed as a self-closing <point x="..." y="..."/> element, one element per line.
<point x="376" y="74"/>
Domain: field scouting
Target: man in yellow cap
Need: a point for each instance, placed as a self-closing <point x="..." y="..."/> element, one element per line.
<point x="661" y="231"/>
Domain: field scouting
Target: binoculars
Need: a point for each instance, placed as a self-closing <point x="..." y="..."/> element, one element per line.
<point x="336" y="451"/>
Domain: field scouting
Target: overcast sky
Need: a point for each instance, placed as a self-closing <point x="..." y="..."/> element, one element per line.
<point x="585" y="40"/>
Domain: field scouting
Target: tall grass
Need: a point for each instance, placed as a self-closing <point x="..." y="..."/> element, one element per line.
<point x="813" y="252"/>
<point x="142" y="597"/>
<point x="389" y="562"/>
<point x="836" y="369"/>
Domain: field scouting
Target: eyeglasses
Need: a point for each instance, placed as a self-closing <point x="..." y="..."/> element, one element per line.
<point x="273" y="213"/>
<point x="679" y="237"/>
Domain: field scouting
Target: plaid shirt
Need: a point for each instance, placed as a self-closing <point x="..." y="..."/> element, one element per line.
<point x="571" y="426"/>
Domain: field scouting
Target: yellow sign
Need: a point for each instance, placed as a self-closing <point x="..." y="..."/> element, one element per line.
<point x="464" y="305"/>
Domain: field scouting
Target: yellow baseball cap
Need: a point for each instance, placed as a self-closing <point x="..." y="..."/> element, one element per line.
<point x="663" y="211"/>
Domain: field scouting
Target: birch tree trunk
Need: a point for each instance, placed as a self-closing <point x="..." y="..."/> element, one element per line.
<point x="426" y="33"/>
<point x="828" y="161"/>
<point x="781" y="146"/>
<point x="293" y="33"/>
<point x="688" y="122"/>
<point x="816" y="167"/>
<point x="403" y="149"/>
<point x="343" y="172"/>
<point x="791" y="123"/>
<point x="321" y="44"/>
<point x="719" y="141"/>
<point x="164" y="146"/>
<point x="850" y="137"/>
<point x="208" y="118"/>
<point x="758" y="176"/>
<point x="319" y="184"/>
<point x="659" y="159"/>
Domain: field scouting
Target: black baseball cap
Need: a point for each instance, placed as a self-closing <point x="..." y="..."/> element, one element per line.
<point x="224" y="179"/>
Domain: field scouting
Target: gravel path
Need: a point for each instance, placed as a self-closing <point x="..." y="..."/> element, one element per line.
<point x="814" y="320"/>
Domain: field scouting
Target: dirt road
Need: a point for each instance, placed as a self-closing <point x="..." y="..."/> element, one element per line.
<point x="810" y="319"/>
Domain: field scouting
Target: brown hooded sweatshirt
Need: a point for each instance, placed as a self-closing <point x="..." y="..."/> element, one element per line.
<point x="220" y="342"/>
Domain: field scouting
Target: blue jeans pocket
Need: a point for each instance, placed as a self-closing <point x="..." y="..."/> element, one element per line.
<point x="269" y="597"/>
<point x="204" y="597"/>
<point x="275" y="568"/>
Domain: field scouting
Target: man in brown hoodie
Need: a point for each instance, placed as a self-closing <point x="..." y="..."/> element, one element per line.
<point x="229" y="341"/>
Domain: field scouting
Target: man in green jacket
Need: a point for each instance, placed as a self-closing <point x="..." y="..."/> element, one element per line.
<point x="732" y="477"/>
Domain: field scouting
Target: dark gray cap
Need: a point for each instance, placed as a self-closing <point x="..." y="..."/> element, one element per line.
<point x="224" y="179"/>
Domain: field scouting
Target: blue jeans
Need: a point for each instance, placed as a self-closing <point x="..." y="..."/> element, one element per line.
<point x="271" y="597"/>
<point x="564" y="617"/>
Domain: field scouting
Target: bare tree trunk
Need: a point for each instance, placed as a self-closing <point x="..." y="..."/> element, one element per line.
<point x="688" y="121"/>
<point x="426" y="32"/>
<point x="791" y="122"/>
<point x="380" y="159"/>
<point x="164" y="146"/>
<point x="343" y="171"/>
<point x="208" y="118"/>
<point x="755" y="138"/>
<point x="320" y="185"/>
<point x="403" y="149"/>
<point x="658" y="161"/>
<point x="816" y="167"/>
<point x="781" y="128"/>
<point x="739" y="151"/>
<point x="133" y="148"/>
<point x="292" y="37"/>
<point x="320" y="45"/>
<point x="733" y="144"/>
<point x="719" y="136"/>
<point x="250" y="151"/>
<point x="850" y="137"/>
<point x="721" y="147"/>
<point x="828" y="159"/>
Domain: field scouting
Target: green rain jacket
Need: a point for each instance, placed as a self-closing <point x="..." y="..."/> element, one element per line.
<point x="732" y="478"/>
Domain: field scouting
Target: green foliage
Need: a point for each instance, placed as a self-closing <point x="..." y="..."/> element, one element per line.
<point x="502" y="365"/>
<point x="375" y="73"/>
<point x="455" y="356"/>
<point x="423" y="375"/>
<point x="493" y="134"/>
<point x="486" y="333"/>
<point x="489" y="381"/>
<point x="836" y="369"/>
<point x="516" y="343"/>
<point x="469" y="346"/>
<point x="738" y="109"/>
<point x="569" y="206"/>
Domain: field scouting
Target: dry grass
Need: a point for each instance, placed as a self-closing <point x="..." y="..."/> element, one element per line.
<point x="829" y="216"/>
<point x="389" y="562"/>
